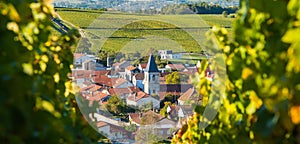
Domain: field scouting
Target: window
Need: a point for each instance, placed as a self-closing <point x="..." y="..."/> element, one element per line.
<point x="153" y="77"/>
<point x="153" y="91"/>
<point x="161" y="132"/>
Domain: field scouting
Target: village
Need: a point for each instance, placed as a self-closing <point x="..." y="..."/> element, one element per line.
<point x="126" y="100"/>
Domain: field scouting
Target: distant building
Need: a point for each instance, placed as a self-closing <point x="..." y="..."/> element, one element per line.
<point x="175" y="67"/>
<point x="168" y="54"/>
<point x="87" y="62"/>
<point x="137" y="80"/>
<point x="130" y="71"/>
<point x="151" y="77"/>
<point x="140" y="98"/>
<point x="189" y="96"/>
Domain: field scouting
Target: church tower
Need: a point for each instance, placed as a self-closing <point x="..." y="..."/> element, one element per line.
<point x="151" y="77"/>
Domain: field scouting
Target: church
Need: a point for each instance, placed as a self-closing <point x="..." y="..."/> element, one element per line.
<point x="151" y="77"/>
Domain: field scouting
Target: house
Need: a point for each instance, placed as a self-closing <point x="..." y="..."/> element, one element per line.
<point x="163" y="126"/>
<point x="120" y="66"/>
<point x="103" y="128"/>
<point x="107" y="82"/>
<point x="189" y="96"/>
<point x="179" y="111"/>
<point x="97" y="96"/>
<point x="80" y="77"/>
<point x="120" y="83"/>
<point x="168" y="54"/>
<point x="82" y="61"/>
<point x="113" y="132"/>
<point x="190" y="70"/>
<point x="146" y="118"/>
<point x="130" y="71"/>
<point x="141" y="98"/>
<point x="123" y="93"/>
<point x="175" y="67"/>
<point x="90" y="89"/>
<point x="160" y="125"/>
<point x="137" y="80"/>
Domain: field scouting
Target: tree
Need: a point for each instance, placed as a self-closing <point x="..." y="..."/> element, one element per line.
<point x="163" y="111"/>
<point x="131" y="128"/>
<point x="262" y="102"/>
<point x="37" y="100"/>
<point x="115" y="105"/>
<point x="173" y="78"/>
<point x="145" y="134"/>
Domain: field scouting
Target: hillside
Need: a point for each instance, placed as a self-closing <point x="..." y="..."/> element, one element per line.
<point x="116" y="31"/>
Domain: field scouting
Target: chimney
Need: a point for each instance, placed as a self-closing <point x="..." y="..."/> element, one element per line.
<point x="108" y="62"/>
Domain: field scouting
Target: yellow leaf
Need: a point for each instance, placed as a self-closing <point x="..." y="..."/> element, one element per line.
<point x="291" y="36"/>
<point x="56" y="77"/>
<point x="47" y="106"/>
<point x="257" y="101"/>
<point x="27" y="68"/>
<point x="295" y="114"/>
<point x="251" y="135"/>
<point x="43" y="66"/>
<point x="13" y="26"/>
<point x="45" y="58"/>
<point x="246" y="73"/>
<point x="13" y="14"/>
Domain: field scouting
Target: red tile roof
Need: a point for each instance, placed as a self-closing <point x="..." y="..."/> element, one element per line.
<point x="145" y="118"/>
<point x="131" y="68"/>
<point x="190" y="94"/>
<point x="101" y="124"/>
<point x="137" y="96"/>
<point x="176" y="66"/>
<point x="103" y="80"/>
<point x="91" y="88"/>
<point x="89" y="73"/>
<point x="97" y="96"/>
<point x="118" y="81"/>
<point x="77" y="55"/>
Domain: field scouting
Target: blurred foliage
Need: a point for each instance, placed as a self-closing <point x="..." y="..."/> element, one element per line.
<point x="173" y="78"/>
<point x="37" y="104"/>
<point x="262" y="103"/>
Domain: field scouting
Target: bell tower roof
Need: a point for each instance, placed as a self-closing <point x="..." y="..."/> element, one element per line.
<point x="151" y="66"/>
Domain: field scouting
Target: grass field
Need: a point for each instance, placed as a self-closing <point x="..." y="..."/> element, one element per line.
<point x="130" y="33"/>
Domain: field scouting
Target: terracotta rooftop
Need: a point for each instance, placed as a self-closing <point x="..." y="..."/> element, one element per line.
<point x="121" y="91"/>
<point x="137" y="96"/>
<point x="103" y="80"/>
<point x="131" y="68"/>
<point x="101" y="124"/>
<point x="96" y="96"/>
<point x="118" y="81"/>
<point x="89" y="73"/>
<point x="189" y="94"/>
<point x="162" y="95"/>
<point x="145" y="118"/>
<point x="176" y="66"/>
<point x="77" y="55"/>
